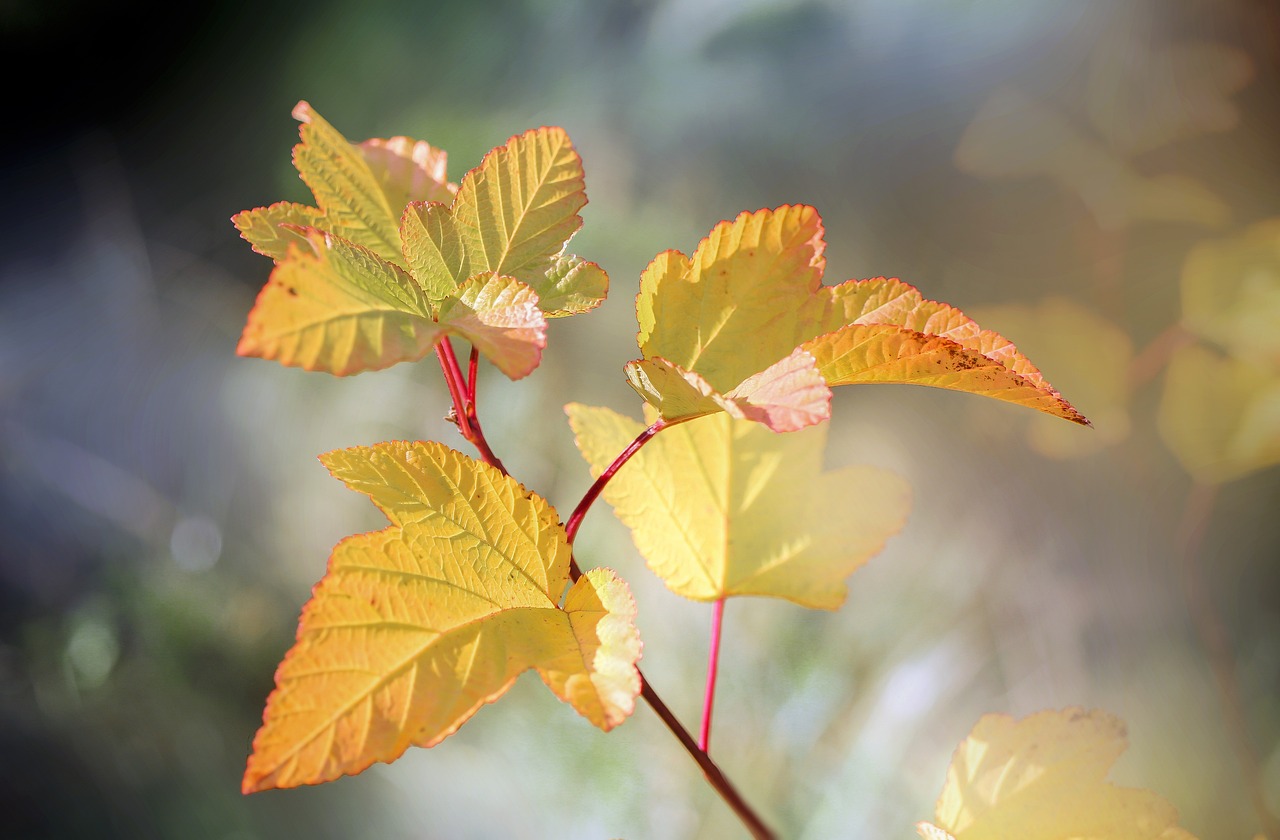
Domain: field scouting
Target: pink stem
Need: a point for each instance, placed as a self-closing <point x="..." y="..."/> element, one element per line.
<point x="713" y="666"/>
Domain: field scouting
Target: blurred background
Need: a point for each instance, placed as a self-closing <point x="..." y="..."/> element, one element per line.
<point x="1095" y="180"/>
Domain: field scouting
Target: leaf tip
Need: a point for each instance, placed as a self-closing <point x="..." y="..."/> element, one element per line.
<point x="302" y="111"/>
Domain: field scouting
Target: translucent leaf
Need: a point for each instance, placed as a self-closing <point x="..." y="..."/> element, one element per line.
<point x="271" y="230"/>
<point x="501" y="318"/>
<point x="433" y="250"/>
<point x="408" y="170"/>
<point x="1219" y="415"/>
<point x="345" y="187"/>
<point x="517" y="209"/>
<point x="721" y="507"/>
<point x="1043" y="778"/>
<point x="570" y="286"/>
<point x="415" y="627"/>
<point x="1231" y="292"/>
<point x="336" y="307"/>
<point x="749" y="316"/>
<point x="1085" y="354"/>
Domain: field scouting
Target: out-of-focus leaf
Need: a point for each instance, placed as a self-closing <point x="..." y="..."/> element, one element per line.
<point x="1141" y="96"/>
<point x="414" y="627"/>
<point x="720" y="507"/>
<point x="335" y="306"/>
<point x="1086" y="355"/>
<point x="517" y="209"/>
<point x="1231" y="292"/>
<point x="501" y="318"/>
<point x="1220" y="415"/>
<point x="1044" y="778"/>
<point x="1014" y="136"/>
<point x="748" y="316"/>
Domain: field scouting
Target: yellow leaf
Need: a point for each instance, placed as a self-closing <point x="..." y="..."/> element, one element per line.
<point x="414" y="627"/>
<point x="749" y="317"/>
<point x="1220" y="415"/>
<point x="1231" y="292"/>
<point x="501" y="318"/>
<point x="433" y="250"/>
<point x="516" y="210"/>
<point x="721" y="507"/>
<point x="1043" y="778"/>
<point x="408" y="170"/>
<point x="334" y="306"/>
<point x="270" y="230"/>
<point x="570" y="286"/>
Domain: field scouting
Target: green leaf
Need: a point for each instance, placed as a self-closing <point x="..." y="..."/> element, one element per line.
<point x="433" y="250"/>
<point x="415" y="627"/>
<point x="570" y="286"/>
<point x="500" y="317"/>
<point x="517" y="209"/>
<point x="721" y="507"/>
<point x="271" y="230"/>
<point x="337" y="307"/>
<point x="345" y="187"/>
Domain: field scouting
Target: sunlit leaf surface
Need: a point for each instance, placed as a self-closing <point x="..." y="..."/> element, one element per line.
<point x="721" y="507"/>
<point x="1044" y="778"/>
<point x="746" y="320"/>
<point x="414" y="627"/>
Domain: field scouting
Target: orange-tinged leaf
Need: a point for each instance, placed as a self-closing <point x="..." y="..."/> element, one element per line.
<point x="345" y="187"/>
<point x="334" y="306"/>
<point x="501" y="318"/>
<point x="408" y="170"/>
<point x="271" y="230"/>
<point x="1220" y="415"/>
<point x="414" y="627"/>
<point x="721" y="507"/>
<point x="1043" y="778"/>
<point x="1231" y="292"/>
<point x="749" y="315"/>
<point x="517" y="209"/>
<point x="433" y="250"/>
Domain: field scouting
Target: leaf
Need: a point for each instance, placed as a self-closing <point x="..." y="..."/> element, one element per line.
<point x="570" y="286"/>
<point x="345" y="187"/>
<point x="1043" y="778"/>
<point x="500" y="317"/>
<point x="1219" y="415"/>
<point x="415" y="627"/>
<point x="408" y="170"/>
<point x="517" y="209"/>
<point x="721" y="507"/>
<point x="433" y="250"/>
<point x="271" y="230"/>
<point x="746" y="321"/>
<point x="335" y="306"/>
<point x="1231" y="292"/>
<point x="1015" y="136"/>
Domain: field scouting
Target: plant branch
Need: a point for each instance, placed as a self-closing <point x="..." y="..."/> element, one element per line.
<point x="464" y="407"/>
<point x="1153" y="358"/>
<point x="1217" y="644"/>
<point x="715" y="777"/>
<point x="713" y="666"/>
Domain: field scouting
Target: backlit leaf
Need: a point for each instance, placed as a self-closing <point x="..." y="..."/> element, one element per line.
<point x="1231" y="292"/>
<point x="517" y="209"/>
<point x="433" y="250"/>
<point x="570" y="286"/>
<point x="332" y="305"/>
<point x="345" y="187"/>
<point x="1043" y="778"/>
<point x="408" y="170"/>
<point x="501" y="318"/>
<point x="415" y="627"/>
<point x="270" y="230"/>
<point x="721" y="507"/>
<point x="749" y="316"/>
<point x="1220" y="415"/>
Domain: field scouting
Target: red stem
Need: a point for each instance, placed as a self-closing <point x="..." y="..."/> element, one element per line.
<point x="464" y="409"/>
<point x="473" y="368"/>
<point x="713" y="667"/>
